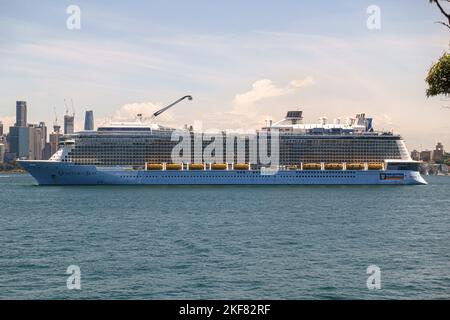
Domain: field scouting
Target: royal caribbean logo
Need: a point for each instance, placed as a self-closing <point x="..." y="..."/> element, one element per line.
<point x="392" y="176"/>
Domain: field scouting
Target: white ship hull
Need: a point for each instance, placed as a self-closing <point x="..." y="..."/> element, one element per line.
<point x="59" y="173"/>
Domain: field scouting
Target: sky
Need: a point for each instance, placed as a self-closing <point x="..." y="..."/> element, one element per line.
<point x="242" y="61"/>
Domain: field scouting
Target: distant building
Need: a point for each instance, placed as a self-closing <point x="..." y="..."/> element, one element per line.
<point x="19" y="134"/>
<point x="415" y="155"/>
<point x="32" y="146"/>
<point x="56" y="128"/>
<point x="4" y="140"/>
<point x="18" y="140"/>
<point x="44" y="129"/>
<point x="69" y="124"/>
<point x="43" y="137"/>
<point x="21" y="114"/>
<point x="37" y="141"/>
<point x="54" y="139"/>
<point x="2" y="152"/>
<point x="438" y="152"/>
<point x="426" y="155"/>
<point x="10" y="156"/>
<point x="1" y="128"/>
<point x="47" y="153"/>
<point x="89" y="120"/>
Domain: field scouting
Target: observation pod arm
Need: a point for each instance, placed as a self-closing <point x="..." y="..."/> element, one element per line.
<point x="157" y="113"/>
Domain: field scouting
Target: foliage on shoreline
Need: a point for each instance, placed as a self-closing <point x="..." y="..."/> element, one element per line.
<point x="438" y="78"/>
<point x="11" y="168"/>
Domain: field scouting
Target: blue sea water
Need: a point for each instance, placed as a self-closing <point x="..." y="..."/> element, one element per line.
<point x="224" y="242"/>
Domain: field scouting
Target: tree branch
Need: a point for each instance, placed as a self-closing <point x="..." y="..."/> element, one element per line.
<point x="443" y="23"/>
<point x="442" y="9"/>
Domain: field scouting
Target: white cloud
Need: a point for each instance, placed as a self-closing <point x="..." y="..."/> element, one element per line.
<point x="261" y="89"/>
<point x="308" y="81"/>
<point x="265" y="88"/>
<point x="129" y="112"/>
<point x="387" y="119"/>
<point x="386" y="122"/>
<point x="250" y="109"/>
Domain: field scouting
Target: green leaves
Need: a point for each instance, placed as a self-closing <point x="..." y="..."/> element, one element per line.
<point x="438" y="78"/>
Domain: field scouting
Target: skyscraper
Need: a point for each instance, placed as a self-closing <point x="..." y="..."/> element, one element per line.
<point x="44" y="129"/>
<point x="54" y="138"/>
<point x="68" y="123"/>
<point x="56" y="128"/>
<point x="1" y="128"/>
<point x="89" y="120"/>
<point x="42" y="142"/>
<point x="46" y="147"/>
<point x="47" y="153"/>
<point x="36" y="141"/>
<point x="19" y="138"/>
<point x="32" y="145"/>
<point x="21" y="114"/>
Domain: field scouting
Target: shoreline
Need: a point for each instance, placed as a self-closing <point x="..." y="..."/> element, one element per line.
<point x="15" y="171"/>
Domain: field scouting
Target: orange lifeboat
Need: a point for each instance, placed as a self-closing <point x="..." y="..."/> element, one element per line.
<point x="154" y="166"/>
<point x="219" y="166"/>
<point x="312" y="166"/>
<point x="355" y="166"/>
<point x="174" y="166"/>
<point x="334" y="166"/>
<point x="375" y="166"/>
<point x="241" y="166"/>
<point x="196" y="166"/>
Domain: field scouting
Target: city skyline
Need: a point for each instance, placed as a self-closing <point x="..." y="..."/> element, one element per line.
<point x="240" y="71"/>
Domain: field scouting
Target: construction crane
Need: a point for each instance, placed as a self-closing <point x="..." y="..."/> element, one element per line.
<point x="65" y="105"/>
<point x="157" y="113"/>
<point x="73" y="108"/>
<point x="56" y="116"/>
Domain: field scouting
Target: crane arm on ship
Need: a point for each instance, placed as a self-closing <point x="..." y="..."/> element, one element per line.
<point x="157" y="113"/>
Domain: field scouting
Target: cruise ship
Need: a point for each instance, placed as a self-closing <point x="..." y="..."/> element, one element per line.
<point x="287" y="152"/>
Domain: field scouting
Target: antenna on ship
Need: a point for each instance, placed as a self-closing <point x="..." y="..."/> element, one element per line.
<point x="157" y="113"/>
